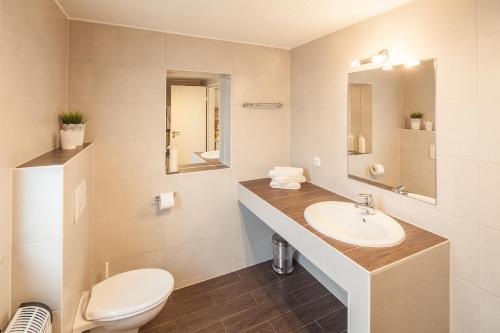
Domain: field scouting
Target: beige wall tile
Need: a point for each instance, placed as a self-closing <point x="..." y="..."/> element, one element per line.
<point x="464" y="306"/>
<point x="488" y="66"/>
<point x="465" y="250"/>
<point x="490" y="308"/>
<point x="489" y="182"/>
<point x="392" y="284"/>
<point x="26" y="270"/>
<point x="488" y="12"/>
<point x="488" y="116"/>
<point x="457" y="183"/>
<point x="424" y="311"/>
<point x="490" y="265"/>
<point x="457" y="128"/>
<point x="117" y="45"/>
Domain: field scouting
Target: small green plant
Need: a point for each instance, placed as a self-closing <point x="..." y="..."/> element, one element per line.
<point x="73" y="117"/>
<point x="416" y="115"/>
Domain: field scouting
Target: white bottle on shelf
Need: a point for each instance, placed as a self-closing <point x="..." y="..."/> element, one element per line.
<point x="361" y="144"/>
<point x="350" y="142"/>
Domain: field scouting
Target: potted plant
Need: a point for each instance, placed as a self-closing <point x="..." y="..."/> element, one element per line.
<point x="72" y="129"/>
<point x="416" y="120"/>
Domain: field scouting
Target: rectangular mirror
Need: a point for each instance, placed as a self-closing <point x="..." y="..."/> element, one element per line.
<point x="197" y="121"/>
<point x="391" y="139"/>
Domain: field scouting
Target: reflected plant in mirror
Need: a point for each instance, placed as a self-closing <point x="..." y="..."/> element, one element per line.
<point x="391" y="141"/>
<point x="197" y="121"/>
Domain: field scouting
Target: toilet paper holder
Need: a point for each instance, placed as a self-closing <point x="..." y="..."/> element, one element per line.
<point x="157" y="199"/>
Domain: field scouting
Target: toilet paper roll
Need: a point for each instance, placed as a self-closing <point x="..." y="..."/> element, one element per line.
<point x="376" y="169"/>
<point x="166" y="200"/>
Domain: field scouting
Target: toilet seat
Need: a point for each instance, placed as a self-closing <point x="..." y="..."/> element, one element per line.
<point x="128" y="294"/>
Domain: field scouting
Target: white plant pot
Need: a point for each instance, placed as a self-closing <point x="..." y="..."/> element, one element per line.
<point x="79" y="129"/>
<point x="415" y="123"/>
<point x="68" y="139"/>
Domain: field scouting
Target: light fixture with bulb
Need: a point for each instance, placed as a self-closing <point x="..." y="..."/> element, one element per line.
<point x="382" y="57"/>
<point x="412" y="62"/>
<point x="377" y="58"/>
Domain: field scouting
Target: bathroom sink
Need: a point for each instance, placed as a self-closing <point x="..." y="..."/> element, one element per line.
<point x="210" y="155"/>
<point x="344" y="222"/>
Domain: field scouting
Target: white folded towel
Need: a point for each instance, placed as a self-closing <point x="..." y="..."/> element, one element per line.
<point x="288" y="180"/>
<point x="289" y="186"/>
<point x="286" y="172"/>
<point x="288" y="168"/>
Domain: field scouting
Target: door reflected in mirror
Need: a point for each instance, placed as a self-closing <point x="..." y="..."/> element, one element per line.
<point x="391" y="138"/>
<point x="197" y="121"/>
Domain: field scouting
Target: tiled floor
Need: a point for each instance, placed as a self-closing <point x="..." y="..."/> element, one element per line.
<point x="254" y="299"/>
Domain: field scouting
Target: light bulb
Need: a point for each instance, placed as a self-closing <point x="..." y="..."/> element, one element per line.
<point x="355" y="63"/>
<point x="378" y="58"/>
<point x="412" y="62"/>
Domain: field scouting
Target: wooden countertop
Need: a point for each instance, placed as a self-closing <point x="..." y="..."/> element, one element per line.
<point x="54" y="157"/>
<point x="294" y="202"/>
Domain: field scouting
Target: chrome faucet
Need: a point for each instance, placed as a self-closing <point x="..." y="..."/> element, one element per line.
<point x="400" y="190"/>
<point x="368" y="205"/>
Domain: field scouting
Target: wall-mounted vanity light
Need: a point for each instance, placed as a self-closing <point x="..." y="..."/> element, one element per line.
<point x="377" y="58"/>
<point x="383" y="57"/>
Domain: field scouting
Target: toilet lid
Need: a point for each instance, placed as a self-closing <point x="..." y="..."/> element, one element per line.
<point x="128" y="293"/>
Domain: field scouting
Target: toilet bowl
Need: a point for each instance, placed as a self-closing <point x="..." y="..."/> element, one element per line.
<point x="124" y="302"/>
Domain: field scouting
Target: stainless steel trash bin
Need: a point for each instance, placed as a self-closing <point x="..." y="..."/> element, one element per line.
<point x="282" y="255"/>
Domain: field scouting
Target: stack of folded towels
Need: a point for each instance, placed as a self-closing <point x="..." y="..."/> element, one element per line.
<point x="288" y="178"/>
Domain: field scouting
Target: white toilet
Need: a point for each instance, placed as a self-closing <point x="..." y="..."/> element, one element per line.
<point x="124" y="302"/>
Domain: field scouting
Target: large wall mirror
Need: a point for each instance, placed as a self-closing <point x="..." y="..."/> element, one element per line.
<point x="197" y="121"/>
<point x="391" y="129"/>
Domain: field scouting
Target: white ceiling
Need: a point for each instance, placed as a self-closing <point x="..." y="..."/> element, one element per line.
<point x="280" y="23"/>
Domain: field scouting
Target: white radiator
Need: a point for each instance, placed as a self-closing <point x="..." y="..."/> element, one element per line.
<point x="31" y="318"/>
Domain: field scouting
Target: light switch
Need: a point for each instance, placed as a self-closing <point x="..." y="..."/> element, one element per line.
<point x="316" y="161"/>
<point x="80" y="200"/>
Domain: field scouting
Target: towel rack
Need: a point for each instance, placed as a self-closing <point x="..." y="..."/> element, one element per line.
<point x="277" y="105"/>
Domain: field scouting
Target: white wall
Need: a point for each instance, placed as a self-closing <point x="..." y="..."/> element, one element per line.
<point x="117" y="75"/>
<point x="33" y="71"/>
<point x="464" y="36"/>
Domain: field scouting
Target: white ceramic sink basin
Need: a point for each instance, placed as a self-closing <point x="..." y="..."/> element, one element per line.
<point x="210" y="155"/>
<point x="344" y="222"/>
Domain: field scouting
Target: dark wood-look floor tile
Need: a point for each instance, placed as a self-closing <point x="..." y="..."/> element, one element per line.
<point x="215" y="313"/>
<point x="214" y="328"/>
<point x="250" y="272"/>
<point x="204" y="287"/>
<point x="283" y="286"/>
<point x="165" y="327"/>
<point x="253" y="298"/>
<point x="310" y="293"/>
<point x="244" y="286"/>
<point x="306" y="313"/>
<point x="172" y="311"/>
<point x="310" y="328"/>
<point x="262" y="328"/>
<point x="335" y="322"/>
<point x="260" y="314"/>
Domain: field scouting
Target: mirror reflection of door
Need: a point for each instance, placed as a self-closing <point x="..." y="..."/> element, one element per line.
<point x="188" y="120"/>
<point x="213" y="124"/>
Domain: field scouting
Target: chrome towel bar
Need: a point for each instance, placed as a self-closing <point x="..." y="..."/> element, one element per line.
<point x="277" y="105"/>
